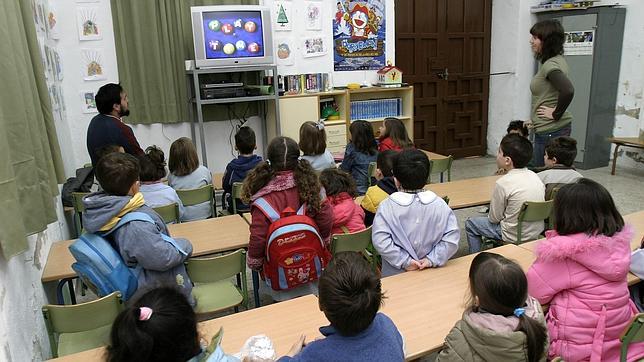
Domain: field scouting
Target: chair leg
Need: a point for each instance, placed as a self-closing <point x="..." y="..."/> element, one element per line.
<point x="255" y="276"/>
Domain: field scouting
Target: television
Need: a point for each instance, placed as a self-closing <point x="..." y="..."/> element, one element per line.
<point x="231" y="35"/>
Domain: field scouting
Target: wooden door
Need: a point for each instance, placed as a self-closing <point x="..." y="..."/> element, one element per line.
<point x="443" y="48"/>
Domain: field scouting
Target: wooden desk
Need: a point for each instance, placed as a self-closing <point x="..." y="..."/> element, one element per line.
<point x="466" y="193"/>
<point x="207" y="237"/>
<point x="624" y="141"/>
<point x="217" y="180"/>
<point x="434" y="156"/>
<point x="425" y="305"/>
<point x="247" y="217"/>
<point x="282" y="322"/>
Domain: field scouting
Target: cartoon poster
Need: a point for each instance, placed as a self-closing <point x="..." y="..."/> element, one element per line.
<point x="359" y="35"/>
<point x="285" y="51"/>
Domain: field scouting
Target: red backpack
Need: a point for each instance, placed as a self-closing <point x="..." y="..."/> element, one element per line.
<point x="295" y="252"/>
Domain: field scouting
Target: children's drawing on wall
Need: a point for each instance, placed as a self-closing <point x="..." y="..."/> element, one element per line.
<point x="42" y="18"/>
<point x="56" y="65"/>
<point x="285" y="51"/>
<point x="282" y="15"/>
<point x="359" y="35"/>
<point x="88" y="27"/>
<point x="313" y="47"/>
<point x="52" y="22"/>
<point x="313" y="16"/>
<point x="88" y="102"/>
<point x="93" y="64"/>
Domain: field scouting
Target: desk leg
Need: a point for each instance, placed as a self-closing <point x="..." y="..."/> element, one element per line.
<point x="615" y="158"/>
<point x="255" y="275"/>
<point x="59" y="291"/>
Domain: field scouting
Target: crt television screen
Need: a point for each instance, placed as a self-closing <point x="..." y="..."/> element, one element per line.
<point x="233" y="34"/>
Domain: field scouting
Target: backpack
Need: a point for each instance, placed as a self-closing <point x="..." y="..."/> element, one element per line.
<point x="101" y="267"/>
<point x="81" y="183"/>
<point x="295" y="252"/>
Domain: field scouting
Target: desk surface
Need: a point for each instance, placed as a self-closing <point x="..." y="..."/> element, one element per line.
<point x="434" y="156"/>
<point x="426" y="304"/>
<point x="207" y="237"/>
<point x="302" y="314"/>
<point x="247" y="217"/>
<point x="633" y="141"/>
<point x="466" y="193"/>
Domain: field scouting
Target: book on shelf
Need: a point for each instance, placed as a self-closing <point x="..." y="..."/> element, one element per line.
<point x="376" y="108"/>
<point x="305" y="83"/>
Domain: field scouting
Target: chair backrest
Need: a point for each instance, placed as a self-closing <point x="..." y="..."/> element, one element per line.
<point x="440" y="165"/>
<point x="446" y="199"/>
<point x="236" y="194"/>
<point x="197" y="196"/>
<point x="357" y="241"/>
<point x="532" y="211"/>
<point x="212" y="269"/>
<point x="79" y="208"/>
<point x="552" y="189"/>
<point x="634" y="333"/>
<point x="371" y="171"/>
<point x="85" y="317"/>
<point x="169" y="213"/>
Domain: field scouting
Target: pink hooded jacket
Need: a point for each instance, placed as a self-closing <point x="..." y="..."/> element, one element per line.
<point x="346" y="213"/>
<point x="584" y="280"/>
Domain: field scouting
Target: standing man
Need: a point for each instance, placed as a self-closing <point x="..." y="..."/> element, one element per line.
<point x="108" y="128"/>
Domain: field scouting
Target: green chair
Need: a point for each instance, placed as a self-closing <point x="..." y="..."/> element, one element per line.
<point x="446" y="199"/>
<point x="79" y="208"/>
<point x="440" y="166"/>
<point x="234" y="196"/>
<point x="532" y="211"/>
<point x="79" y="327"/>
<point x="634" y="333"/>
<point x="190" y="197"/>
<point x="169" y="213"/>
<point x="213" y="288"/>
<point x="371" y="172"/>
<point x="551" y="193"/>
<point x="359" y="241"/>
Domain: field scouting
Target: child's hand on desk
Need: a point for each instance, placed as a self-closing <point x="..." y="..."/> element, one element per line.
<point x="425" y="263"/>
<point x="413" y="265"/>
<point x="297" y="347"/>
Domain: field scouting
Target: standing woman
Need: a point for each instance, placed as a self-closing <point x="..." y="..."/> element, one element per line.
<point x="551" y="88"/>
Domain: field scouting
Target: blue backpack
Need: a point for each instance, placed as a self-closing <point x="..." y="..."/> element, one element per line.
<point x="101" y="267"/>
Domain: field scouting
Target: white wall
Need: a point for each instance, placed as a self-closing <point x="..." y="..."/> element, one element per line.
<point x="510" y="94"/>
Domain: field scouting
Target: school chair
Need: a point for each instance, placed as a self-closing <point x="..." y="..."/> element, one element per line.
<point x="551" y="193"/>
<point x="197" y="196"/>
<point x="634" y="333"/>
<point x="371" y="172"/>
<point x="440" y="166"/>
<point x="169" y="213"/>
<point x="234" y="196"/>
<point x="213" y="288"/>
<point x="79" y="208"/>
<point x="79" y="327"/>
<point x="532" y="211"/>
<point x="359" y="241"/>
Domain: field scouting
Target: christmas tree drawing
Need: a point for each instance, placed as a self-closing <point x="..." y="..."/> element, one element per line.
<point x="282" y="19"/>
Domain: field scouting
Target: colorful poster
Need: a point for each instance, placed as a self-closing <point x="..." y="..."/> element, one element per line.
<point x="579" y="42"/>
<point x="359" y="35"/>
<point x="285" y="51"/>
<point x="313" y="47"/>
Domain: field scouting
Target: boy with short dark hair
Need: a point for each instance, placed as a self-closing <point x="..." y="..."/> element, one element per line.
<point x="559" y="158"/>
<point x="139" y="242"/>
<point x="237" y="169"/>
<point x="413" y="229"/>
<point x="510" y="192"/>
<point x="350" y="296"/>
<point x="383" y="188"/>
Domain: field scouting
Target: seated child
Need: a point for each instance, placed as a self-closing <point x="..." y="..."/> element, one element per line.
<point x="350" y="296"/>
<point x="155" y="192"/>
<point x="161" y="326"/>
<point x="502" y="323"/>
<point x="510" y="192"/>
<point x="237" y="169"/>
<point x="580" y="271"/>
<point x="348" y="217"/>
<point x="393" y="135"/>
<point x="139" y="242"/>
<point x="558" y="158"/>
<point x="186" y="173"/>
<point x="383" y="188"/>
<point x="413" y="229"/>
<point x="360" y="152"/>
<point x="313" y="146"/>
<point x="514" y="127"/>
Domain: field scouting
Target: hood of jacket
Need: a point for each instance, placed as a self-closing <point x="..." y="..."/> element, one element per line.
<point x="244" y="163"/>
<point x="343" y="208"/>
<point x="282" y="181"/>
<point x="101" y="208"/>
<point x="607" y="256"/>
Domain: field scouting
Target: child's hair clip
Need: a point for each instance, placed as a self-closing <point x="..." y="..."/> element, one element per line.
<point x="320" y="125"/>
<point x="145" y="313"/>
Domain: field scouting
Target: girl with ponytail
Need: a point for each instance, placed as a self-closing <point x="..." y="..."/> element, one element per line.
<point x="502" y="322"/>
<point x="284" y="180"/>
<point x="151" y="174"/>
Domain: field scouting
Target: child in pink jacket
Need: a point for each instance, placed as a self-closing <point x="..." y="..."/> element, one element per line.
<point x="340" y="191"/>
<point x="581" y="271"/>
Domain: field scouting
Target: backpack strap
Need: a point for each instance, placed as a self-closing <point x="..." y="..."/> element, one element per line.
<point x="266" y="208"/>
<point x="302" y="209"/>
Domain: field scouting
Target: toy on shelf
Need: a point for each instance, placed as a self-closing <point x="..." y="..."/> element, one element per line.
<point x="390" y="75"/>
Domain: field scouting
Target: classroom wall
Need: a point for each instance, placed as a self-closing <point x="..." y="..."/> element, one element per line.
<point x="510" y="94"/>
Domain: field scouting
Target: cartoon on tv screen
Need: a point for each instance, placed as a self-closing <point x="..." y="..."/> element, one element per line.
<point x="233" y="34"/>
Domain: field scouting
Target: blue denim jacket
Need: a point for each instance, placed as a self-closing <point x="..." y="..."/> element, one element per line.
<point x="357" y="164"/>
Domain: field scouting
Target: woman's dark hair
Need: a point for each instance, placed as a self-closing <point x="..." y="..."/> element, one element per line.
<point x="336" y="181"/>
<point x="312" y="138"/>
<point x="552" y="37"/>
<point x="152" y="165"/>
<point x="170" y="334"/>
<point x="586" y="207"/>
<point x="362" y="137"/>
<point x="395" y="129"/>
<point x="183" y="158"/>
<point x="284" y="155"/>
<point x="500" y="286"/>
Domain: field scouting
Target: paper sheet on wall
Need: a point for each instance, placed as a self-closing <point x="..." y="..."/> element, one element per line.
<point x="579" y="42"/>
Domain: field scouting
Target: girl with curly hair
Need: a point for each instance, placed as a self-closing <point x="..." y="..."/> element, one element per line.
<point x="284" y="180"/>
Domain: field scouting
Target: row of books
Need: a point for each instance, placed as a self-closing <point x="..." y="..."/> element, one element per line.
<point x="306" y="83"/>
<point x="376" y="108"/>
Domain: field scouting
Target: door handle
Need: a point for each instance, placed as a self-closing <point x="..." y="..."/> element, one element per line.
<point x="444" y="74"/>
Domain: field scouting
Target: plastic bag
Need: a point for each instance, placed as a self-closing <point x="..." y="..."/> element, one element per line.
<point x="257" y="349"/>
